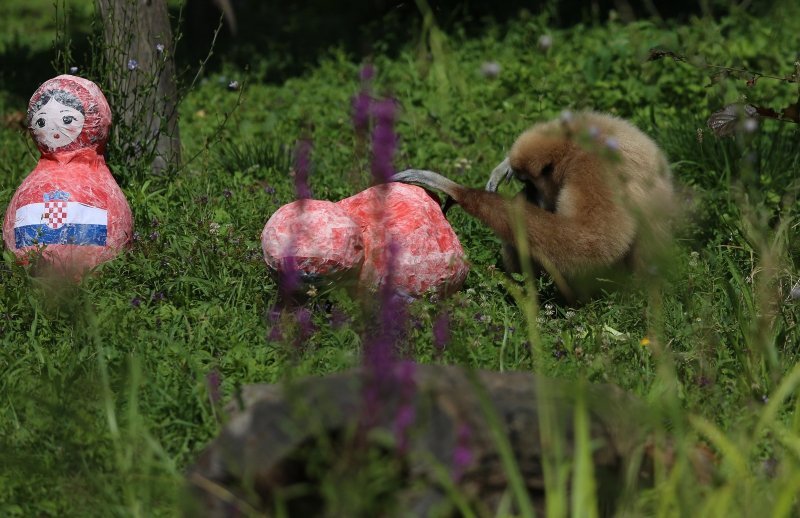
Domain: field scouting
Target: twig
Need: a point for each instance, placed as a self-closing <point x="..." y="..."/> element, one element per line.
<point x="656" y="54"/>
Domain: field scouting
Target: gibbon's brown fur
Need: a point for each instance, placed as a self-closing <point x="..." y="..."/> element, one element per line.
<point x="597" y="195"/>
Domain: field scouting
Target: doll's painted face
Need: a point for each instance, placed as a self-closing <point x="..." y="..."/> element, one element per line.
<point x="56" y="125"/>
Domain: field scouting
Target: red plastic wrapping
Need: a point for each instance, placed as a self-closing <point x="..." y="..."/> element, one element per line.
<point x="316" y="237"/>
<point x="69" y="208"/>
<point x="404" y="237"/>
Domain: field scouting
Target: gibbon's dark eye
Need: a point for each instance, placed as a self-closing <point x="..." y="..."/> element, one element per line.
<point x="547" y="170"/>
<point x="40" y="122"/>
<point x="67" y="119"/>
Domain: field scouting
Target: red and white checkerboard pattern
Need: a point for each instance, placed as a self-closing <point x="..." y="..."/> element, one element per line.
<point x="55" y="213"/>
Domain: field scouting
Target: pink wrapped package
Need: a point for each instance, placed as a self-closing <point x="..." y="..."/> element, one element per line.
<point x="315" y="237"/>
<point x="69" y="209"/>
<point x="388" y="233"/>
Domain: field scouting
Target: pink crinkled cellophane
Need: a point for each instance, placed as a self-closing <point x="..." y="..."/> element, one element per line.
<point x="404" y="239"/>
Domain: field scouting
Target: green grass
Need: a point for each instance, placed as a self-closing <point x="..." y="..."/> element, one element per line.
<point x="103" y="397"/>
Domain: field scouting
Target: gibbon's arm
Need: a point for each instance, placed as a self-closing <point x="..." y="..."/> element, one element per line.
<point x="430" y="180"/>
<point x="587" y="230"/>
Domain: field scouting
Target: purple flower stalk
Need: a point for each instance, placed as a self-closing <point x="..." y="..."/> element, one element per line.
<point x="441" y="332"/>
<point x="366" y="73"/>
<point x="274" y="315"/>
<point x="304" y="323"/>
<point x="275" y="334"/>
<point x="462" y="453"/>
<point x="289" y="281"/>
<point x="302" y="169"/>
<point x="384" y="140"/>
<point x="361" y="104"/>
<point x="338" y="318"/>
<point x="389" y="385"/>
<point x="406" y="411"/>
<point x="213" y="382"/>
<point x="406" y="414"/>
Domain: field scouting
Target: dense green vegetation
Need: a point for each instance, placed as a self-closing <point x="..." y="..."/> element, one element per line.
<point x="104" y="397"/>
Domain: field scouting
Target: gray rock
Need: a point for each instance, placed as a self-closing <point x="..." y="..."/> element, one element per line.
<point x="272" y="429"/>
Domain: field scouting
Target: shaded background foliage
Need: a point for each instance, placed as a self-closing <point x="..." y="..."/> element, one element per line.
<point x="286" y="44"/>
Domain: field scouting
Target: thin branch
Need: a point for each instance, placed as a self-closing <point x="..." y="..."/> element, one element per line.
<point x="215" y="136"/>
<point x="203" y="63"/>
<point x="656" y="54"/>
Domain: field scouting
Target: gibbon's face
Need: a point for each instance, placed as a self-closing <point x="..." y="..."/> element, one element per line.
<point x="56" y="125"/>
<point x="535" y="159"/>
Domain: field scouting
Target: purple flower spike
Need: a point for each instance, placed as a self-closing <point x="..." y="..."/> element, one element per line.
<point x="402" y="422"/>
<point x="361" y="103"/>
<point x="133" y="64"/>
<point x="384" y="140"/>
<point x="367" y="72"/>
<point x="338" y="318"/>
<point x="304" y="322"/>
<point x="462" y="453"/>
<point x="213" y="382"/>
<point x="441" y="332"/>
<point x="275" y="334"/>
<point x="302" y="169"/>
<point x="289" y="281"/>
<point x="274" y="315"/>
<point x="406" y="412"/>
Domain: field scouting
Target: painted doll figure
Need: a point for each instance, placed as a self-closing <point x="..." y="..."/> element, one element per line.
<point x="69" y="209"/>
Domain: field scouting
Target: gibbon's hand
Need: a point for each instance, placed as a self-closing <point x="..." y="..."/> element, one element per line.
<point x="501" y="173"/>
<point x="429" y="180"/>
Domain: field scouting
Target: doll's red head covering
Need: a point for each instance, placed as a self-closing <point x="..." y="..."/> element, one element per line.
<point x="79" y="94"/>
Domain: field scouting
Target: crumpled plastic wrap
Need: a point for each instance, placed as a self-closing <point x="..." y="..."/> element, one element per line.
<point x="316" y="237"/>
<point x="69" y="212"/>
<point x="404" y="239"/>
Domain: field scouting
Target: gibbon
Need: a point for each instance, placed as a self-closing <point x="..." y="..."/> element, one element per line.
<point x="597" y="198"/>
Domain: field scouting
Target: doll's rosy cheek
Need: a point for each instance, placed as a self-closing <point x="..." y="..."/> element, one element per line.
<point x="72" y="131"/>
<point x="71" y="125"/>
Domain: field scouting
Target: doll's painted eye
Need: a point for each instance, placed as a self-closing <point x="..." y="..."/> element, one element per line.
<point x="40" y="122"/>
<point x="68" y="119"/>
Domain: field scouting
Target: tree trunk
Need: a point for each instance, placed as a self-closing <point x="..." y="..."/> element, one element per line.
<point x="140" y="71"/>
